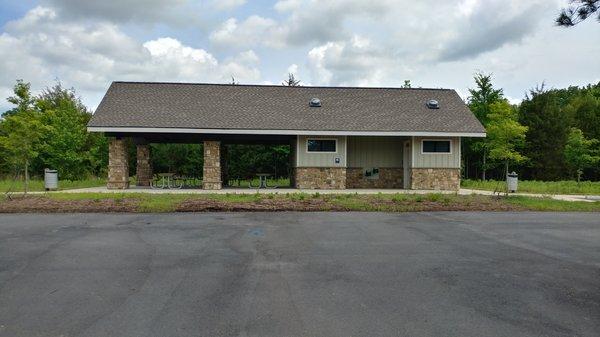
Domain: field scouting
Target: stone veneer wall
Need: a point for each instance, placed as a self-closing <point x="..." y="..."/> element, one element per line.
<point x="143" y="167"/>
<point x="435" y="179"/>
<point x="388" y="178"/>
<point x="320" y="177"/>
<point x="211" y="172"/>
<point x="118" y="164"/>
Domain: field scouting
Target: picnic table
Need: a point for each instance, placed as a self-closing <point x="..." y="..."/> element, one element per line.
<point x="167" y="181"/>
<point x="262" y="181"/>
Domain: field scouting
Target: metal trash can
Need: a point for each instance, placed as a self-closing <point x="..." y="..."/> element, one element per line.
<point x="50" y="179"/>
<point x="512" y="181"/>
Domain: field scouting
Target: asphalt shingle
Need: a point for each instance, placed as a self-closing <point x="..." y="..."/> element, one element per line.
<point x="269" y="107"/>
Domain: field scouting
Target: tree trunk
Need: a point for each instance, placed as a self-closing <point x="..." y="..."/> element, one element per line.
<point x="483" y="168"/>
<point x="26" y="176"/>
<point x="506" y="174"/>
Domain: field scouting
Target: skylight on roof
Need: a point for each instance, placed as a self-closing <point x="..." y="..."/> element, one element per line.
<point x="433" y="104"/>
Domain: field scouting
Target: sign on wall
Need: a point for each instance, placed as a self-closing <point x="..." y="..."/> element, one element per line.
<point x="372" y="173"/>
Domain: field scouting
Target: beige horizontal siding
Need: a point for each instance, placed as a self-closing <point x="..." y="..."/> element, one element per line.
<point x="436" y="160"/>
<point x="375" y="151"/>
<point x="316" y="159"/>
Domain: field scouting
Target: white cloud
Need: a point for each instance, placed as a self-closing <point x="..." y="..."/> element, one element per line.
<point x="292" y="69"/>
<point x="87" y="44"/>
<point x="354" y="62"/>
<point x="253" y="31"/>
<point x="307" y="21"/>
<point x="40" y="47"/>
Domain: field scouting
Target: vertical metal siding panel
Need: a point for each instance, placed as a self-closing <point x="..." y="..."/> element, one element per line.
<point x="375" y="151"/>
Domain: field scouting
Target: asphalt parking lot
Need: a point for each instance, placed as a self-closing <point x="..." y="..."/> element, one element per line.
<point x="300" y="274"/>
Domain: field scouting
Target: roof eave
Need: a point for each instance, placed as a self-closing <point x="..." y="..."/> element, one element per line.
<point x="284" y="132"/>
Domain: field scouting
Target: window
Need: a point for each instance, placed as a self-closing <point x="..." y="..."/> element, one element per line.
<point x="436" y="146"/>
<point x="321" y="145"/>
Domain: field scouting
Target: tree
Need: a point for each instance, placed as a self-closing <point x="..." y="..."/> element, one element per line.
<point x="21" y="132"/>
<point x="482" y="97"/>
<point x="585" y="109"/>
<point x="68" y="147"/>
<point x="581" y="153"/>
<point x="505" y="136"/>
<point x="291" y="81"/>
<point x="578" y="11"/>
<point x="406" y="84"/>
<point x="542" y="111"/>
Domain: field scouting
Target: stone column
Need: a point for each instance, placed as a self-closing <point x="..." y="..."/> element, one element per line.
<point x="224" y="173"/>
<point x="143" y="168"/>
<point x="118" y="164"/>
<point x="211" y="172"/>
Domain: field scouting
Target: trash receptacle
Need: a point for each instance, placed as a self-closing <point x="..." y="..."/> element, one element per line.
<point x="50" y="179"/>
<point x="512" y="180"/>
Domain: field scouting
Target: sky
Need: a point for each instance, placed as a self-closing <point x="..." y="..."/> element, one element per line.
<point x="87" y="44"/>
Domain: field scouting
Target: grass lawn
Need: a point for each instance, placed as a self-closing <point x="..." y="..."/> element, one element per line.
<point x="541" y="187"/>
<point x="38" y="184"/>
<point x="145" y="202"/>
<point x="279" y="182"/>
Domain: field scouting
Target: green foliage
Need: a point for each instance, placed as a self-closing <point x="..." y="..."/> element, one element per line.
<point x="244" y="161"/>
<point x="184" y="159"/>
<point x="10" y="185"/>
<point x="68" y="147"/>
<point x="578" y="11"/>
<point x="504" y="134"/>
<point x="480" y="102"/>
<point x="21" y="131"/>
<point x="538" y="187"/>
<point x="49" y="131"/>
<point x="580" y="152"/>
<point x="291" y="81"/>
<point x="483" y="96"/>
<point x="585" y="109"/>
<point x="548" y="128"/>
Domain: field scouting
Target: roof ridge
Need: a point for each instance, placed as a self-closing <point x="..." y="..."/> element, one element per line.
<point x="277" y="86"/>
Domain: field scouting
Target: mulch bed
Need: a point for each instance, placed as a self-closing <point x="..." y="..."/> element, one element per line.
<point x="264" y="205"/>
<point x="41" y="204"/>
<point x="38" y="204"/>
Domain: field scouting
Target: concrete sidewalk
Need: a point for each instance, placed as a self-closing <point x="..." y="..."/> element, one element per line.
<point x="232" y="190"/>
<point x="564" y="197"/>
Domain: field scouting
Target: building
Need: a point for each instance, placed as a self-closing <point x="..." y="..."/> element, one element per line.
<point x="340" y="137"/>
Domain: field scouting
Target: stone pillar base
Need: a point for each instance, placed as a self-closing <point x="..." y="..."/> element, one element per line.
<point x="118" y="165"/>
<point x="320" y="177"/>
<point x="144" y="167"/>
<point x="211" y="172"/>
<point x="435" y="179"/>
<point x="212" y="185"/>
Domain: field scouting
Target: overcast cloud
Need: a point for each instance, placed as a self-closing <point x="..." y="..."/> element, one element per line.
<point x="88" y="44"/>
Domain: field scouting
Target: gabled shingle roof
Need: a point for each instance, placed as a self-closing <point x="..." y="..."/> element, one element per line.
<point x="269" y="107"/>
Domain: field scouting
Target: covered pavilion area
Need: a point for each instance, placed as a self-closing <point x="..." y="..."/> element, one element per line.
<point x="215" y="166"/>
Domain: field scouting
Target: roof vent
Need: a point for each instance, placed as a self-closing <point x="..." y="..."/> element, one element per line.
<point x="433" y="104"/>
<point x="314" y="102"/>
